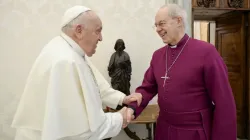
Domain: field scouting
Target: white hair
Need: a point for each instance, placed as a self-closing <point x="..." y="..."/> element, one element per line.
<point x="175" y="10"/>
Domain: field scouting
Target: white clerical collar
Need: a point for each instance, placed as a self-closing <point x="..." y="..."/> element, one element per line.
<point x="173" y="46"/>
<point x="73" y="44"/>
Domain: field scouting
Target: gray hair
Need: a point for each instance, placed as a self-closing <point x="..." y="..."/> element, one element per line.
<point x="80" y="19"/>
<point x="175" y="10"/>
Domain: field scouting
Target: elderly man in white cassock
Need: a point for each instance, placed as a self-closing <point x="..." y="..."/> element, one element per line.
<point x="63" y="97"/>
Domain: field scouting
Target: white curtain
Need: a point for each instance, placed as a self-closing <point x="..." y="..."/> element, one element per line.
<point x="187" y="5"/>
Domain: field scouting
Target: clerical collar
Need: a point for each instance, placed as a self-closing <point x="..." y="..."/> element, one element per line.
<point x="181" y="42"/>
<point x="172" y="46"/>
<point x="73" y="44"/>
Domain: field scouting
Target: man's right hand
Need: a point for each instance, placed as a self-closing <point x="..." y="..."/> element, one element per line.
<point x="130" y="115"/>
<point x="127" y="116"/>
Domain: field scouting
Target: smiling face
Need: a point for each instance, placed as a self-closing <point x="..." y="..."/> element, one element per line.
<point x="89" y="33"/>
<point x="167" y="27"/>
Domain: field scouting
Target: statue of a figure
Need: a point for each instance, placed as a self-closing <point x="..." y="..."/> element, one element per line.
<point x="120" y="68"/>
<point x="120" y="72"/>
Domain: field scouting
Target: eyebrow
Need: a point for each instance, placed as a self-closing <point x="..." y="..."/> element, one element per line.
<point x="161" y="21"/>
<point x="99" y="28"/>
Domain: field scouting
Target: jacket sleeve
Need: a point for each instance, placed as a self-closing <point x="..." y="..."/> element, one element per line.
<point x="106" y="130"/>
<point x="219" y="90"/>
<point x="148" y="90"/>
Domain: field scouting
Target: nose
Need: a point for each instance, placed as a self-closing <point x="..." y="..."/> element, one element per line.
<point x="100" y="37"/>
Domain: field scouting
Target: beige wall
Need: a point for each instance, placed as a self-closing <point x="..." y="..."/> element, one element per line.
<point x="27" y="25"/>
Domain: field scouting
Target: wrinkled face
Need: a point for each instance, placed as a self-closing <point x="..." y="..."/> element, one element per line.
<point x="166" y="26"/>
<point x="90" y="35"/>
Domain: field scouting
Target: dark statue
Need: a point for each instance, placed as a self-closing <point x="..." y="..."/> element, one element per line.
<point x="119" y="68"/>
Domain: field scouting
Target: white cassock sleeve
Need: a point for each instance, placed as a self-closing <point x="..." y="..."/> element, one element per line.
<point x="103" y="132"/>
<point x="74" y="107"/>
<point x="109" y="96"/>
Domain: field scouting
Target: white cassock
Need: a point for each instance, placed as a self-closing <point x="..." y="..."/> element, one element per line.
<point x="110" y="97"/>
<point x="62" y="100"/>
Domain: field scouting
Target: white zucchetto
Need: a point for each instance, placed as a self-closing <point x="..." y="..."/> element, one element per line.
<point x="72" y="13"/>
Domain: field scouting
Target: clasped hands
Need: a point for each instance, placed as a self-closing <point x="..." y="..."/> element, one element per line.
<point x="126" y="112"/>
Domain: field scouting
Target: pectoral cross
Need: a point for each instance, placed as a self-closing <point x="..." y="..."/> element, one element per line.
<point x="165" y="77"/>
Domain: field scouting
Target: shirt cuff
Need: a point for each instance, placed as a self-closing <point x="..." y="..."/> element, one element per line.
<point x="121" y="99"/>
<point x="133" y="108"/>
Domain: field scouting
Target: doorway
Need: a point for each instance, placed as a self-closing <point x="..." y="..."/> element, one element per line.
<point x="229" y="33"/>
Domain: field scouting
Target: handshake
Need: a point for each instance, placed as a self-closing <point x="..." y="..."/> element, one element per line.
<point x="127" y="114"/>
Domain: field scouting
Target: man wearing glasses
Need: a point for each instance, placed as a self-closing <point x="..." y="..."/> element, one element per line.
<point x="194" y="95"/>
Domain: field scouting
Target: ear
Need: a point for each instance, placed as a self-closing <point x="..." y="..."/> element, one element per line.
<point x="179" y="21"/>
<point x="78" y="29"/>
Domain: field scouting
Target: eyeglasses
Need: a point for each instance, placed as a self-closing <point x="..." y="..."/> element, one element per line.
<point x="162" y="23"/>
